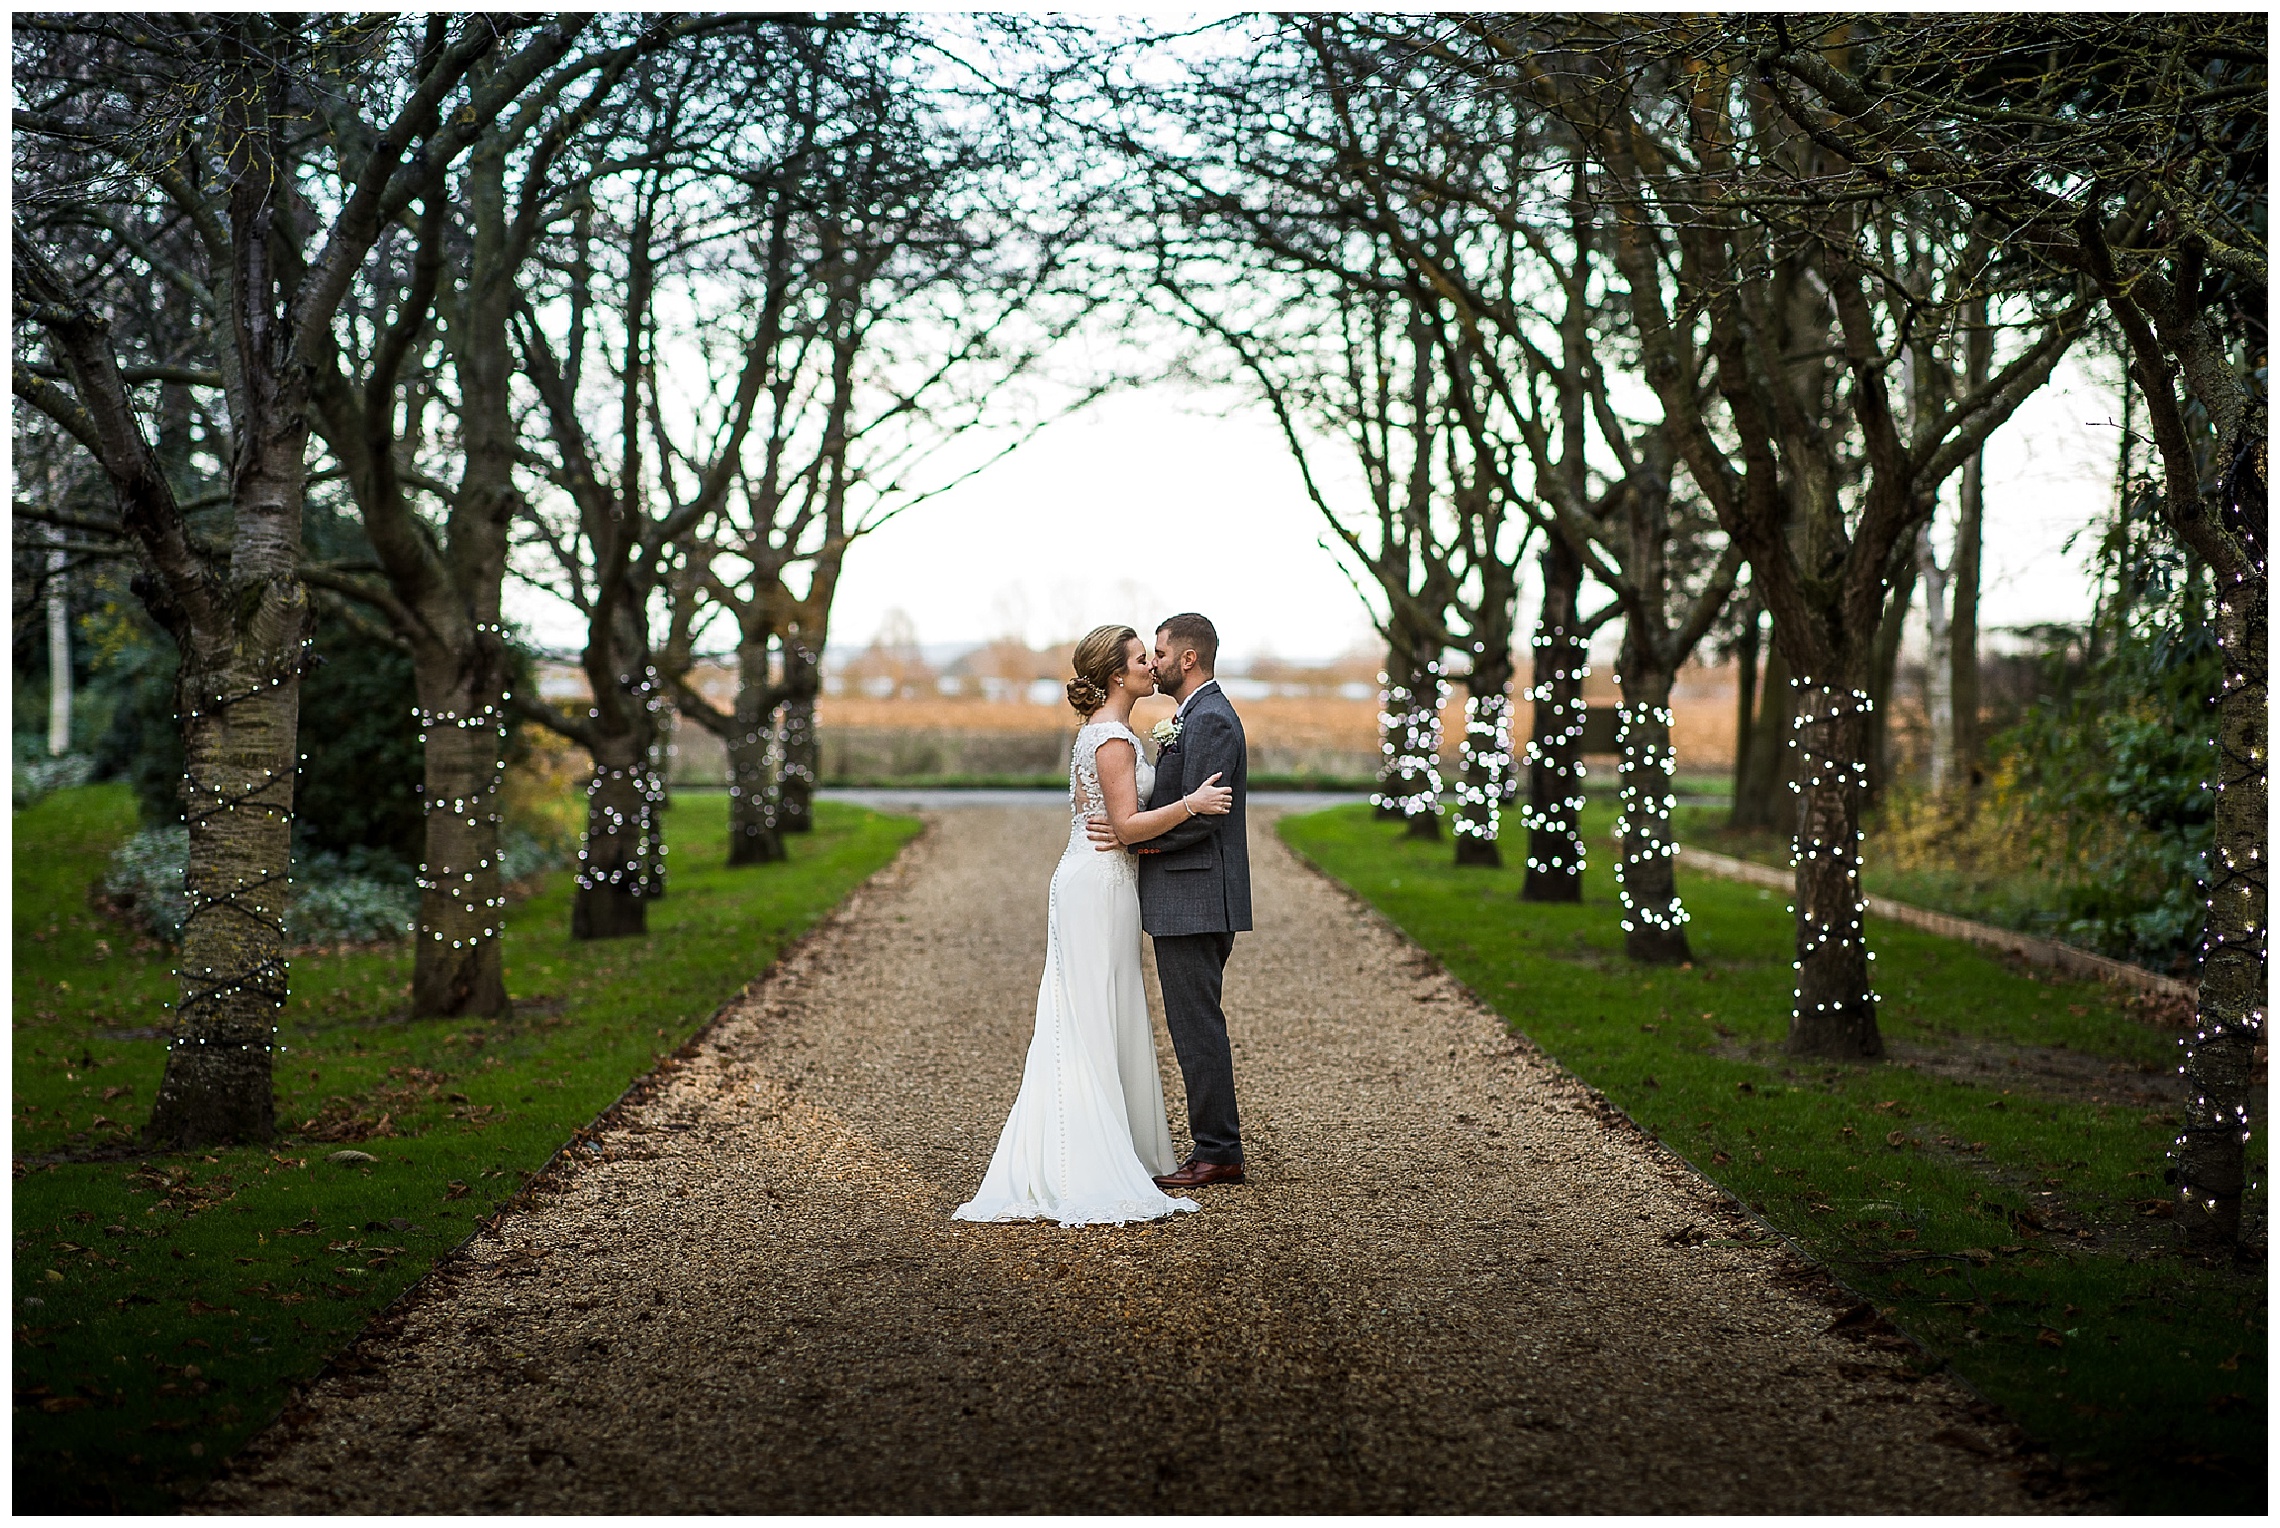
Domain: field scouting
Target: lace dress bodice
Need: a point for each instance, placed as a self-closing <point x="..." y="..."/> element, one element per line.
<point x="1085" y="796"/>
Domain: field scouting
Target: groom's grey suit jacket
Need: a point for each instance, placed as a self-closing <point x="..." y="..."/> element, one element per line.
<point x="1196" y="879"/>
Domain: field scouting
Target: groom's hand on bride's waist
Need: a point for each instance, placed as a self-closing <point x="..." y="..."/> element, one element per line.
<point x="1102" y="835"/>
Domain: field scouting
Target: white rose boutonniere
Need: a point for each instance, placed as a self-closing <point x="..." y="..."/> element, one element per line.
<point x="1166" y="732"/>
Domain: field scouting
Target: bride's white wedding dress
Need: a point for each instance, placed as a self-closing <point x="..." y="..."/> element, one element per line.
<point x="1087" y="1132"/>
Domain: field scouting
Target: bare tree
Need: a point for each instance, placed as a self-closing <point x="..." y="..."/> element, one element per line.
<point x="1455" y="182"/>
<point x="609" y="548"/>
<point x="1736" y="263"/>
<point x="2131" y="153"/>
<point x="438" y="498"/>
<point x="900" y="277"/>
<point x="201" y="124"/>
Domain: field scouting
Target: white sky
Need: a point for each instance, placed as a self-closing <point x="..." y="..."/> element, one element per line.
<point x="1167" y="498"/>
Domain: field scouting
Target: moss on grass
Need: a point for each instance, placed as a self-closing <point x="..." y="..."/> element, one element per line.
<point x="166" y="1304"/>
<point x="2001" y="1223"/>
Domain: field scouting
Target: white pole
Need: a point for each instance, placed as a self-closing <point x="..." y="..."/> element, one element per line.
<point x="59" y="651"/>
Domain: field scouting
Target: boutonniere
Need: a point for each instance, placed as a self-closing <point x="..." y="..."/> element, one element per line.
<point x="1166" y="732"/>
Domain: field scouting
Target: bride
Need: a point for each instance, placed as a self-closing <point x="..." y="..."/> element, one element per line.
<point x="1087" y="1133"/>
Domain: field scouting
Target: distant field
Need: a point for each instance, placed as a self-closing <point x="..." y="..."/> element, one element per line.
<point x="1315" y="737"/>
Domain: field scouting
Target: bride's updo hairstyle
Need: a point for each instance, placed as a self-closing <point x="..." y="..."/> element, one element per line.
<point x="1099" y="658"/>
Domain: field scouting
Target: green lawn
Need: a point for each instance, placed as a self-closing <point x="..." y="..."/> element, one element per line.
<point x="2002" y="1224"/>
<point x="165" y="1304"/>
<point x="2019" y="896"/>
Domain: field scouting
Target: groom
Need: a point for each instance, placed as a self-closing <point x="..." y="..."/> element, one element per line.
<point x="1195" y="892"/>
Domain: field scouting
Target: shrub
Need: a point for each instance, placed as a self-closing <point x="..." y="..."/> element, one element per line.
<point x="37" y="774"/>
<point x="357" y="895"/>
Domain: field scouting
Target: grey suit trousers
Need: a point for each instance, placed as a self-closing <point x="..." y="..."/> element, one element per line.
<point x="1191" y="968"/>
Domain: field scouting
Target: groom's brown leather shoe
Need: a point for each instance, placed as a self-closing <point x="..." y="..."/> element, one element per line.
<point x="1198" y="1174"/>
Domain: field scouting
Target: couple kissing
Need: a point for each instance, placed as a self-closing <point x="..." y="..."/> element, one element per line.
<point x="1156" y="846"/>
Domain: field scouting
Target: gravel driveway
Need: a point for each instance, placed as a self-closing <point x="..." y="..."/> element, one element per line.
<point x="1453" y="1284"/>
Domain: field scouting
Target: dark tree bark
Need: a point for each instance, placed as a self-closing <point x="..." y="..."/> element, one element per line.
<point x="1555" y="743"/>
<point x="1409" y="783"/>
<point x="1760" y="800"/>
<point x="1749" y="649"/>
<point x="1885" y="669"/>
<point x="1487" y="758"/>
<point x="1963" y="587"/>
<point x="1835" y="1009"/>
<point x="1654" y="920"/>
<point x="800" y="748"/>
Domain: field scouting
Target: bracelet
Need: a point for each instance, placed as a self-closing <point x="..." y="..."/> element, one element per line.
<point x="1189" y="805"/>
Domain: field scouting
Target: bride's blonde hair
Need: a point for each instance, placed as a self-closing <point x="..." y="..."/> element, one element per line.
<point x="1099" y="658"/>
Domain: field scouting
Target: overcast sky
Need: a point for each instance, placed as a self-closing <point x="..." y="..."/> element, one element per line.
<point x="1167" y="499"/>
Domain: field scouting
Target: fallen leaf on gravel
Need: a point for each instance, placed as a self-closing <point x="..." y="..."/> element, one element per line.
<point x="1956" y="1437"/>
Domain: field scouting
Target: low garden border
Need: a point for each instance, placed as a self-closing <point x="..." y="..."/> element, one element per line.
<point x="2031" y="948"/>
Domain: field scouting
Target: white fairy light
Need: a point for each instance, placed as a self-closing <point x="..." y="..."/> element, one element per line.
<point x="1561" y="690"/>
<point x="1409" y="731"/>
<point x="1487" y="759"/>
<point x="1644" y="819"/>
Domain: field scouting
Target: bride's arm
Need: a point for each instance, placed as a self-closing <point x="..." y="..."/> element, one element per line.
<point x="1117" y="761"/>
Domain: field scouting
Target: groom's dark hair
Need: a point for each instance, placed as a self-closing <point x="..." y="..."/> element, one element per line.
<point x="1187" y="629"/>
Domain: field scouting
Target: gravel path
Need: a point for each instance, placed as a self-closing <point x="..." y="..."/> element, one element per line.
<point x="1452" y="1285"/>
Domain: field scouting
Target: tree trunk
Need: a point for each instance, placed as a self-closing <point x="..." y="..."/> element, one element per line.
<point x="1886" y="659"/>
<point x="1963" y="624"/>
<point x="753" y="838"/>
<point x="1555" y="744"/>
<point x="1835" y="1008"/>
<point x="1487" y="757"/>
<point x="619" y="826"/>
<point x="2228" y="1022"/>
<point x="1393" y="724"/>
<point x="802" y="757"/>
<point x="240" y="730"/>
<point x="1747" y="651"/>
<point x="459" y="652"/>
<point x="1421" y="812"/>
<point x="456" y="966"/>
<point x="1410" y="729"/>
<point x="658" y="758"/>
<point x="752" y="835"/>
<point x="1939" y="673"/>
<point x="1654" y="920"/>
<point x="1765" y="768"/>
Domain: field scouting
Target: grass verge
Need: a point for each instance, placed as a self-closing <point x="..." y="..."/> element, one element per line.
<point x="166" y="1305"/>
<point x="1995" y="1187"/>
<point x="2013" y="895"/>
